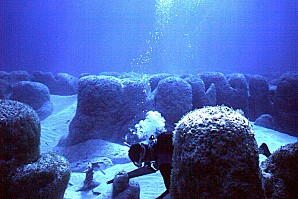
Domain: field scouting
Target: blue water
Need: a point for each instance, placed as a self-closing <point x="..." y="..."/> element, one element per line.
<point x="149" y="36"/>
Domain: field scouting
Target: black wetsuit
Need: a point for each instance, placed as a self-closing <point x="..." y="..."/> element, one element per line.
<point x="158" y="155"/>
<point x="163" y="151"/>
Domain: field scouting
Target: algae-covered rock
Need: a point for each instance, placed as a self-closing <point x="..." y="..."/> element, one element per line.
<point x="59" y="84"/>
<point x="24" y="173"/>
<point x="231" y="90"/>
<point x="265" y="120"/>
<point x="173" y="99"/>
<point x="46" y="178"/>
<point x="14" y="77"/>
<point x="106" y="105"/>
<point x="34" y="94"/>
<point x="5" y="89"/>
<point x="259" y="102"/>
<point x="285" y="104"/>
<point x="199" y="98"/>
<point x="215" y="156"/>
<point x="280" y="173"/>
<point x="19" y="132"/>
<point x="156" y="78"/>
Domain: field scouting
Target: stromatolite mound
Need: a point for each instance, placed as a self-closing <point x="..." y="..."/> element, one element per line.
<point x="285" y="104"/>
<point x="215" y="156"/>
<point x="280" y="173"/>
<point x="24" y="173"/>
<point x="173" y="99"/>
<point x="19" y="132"/>
<point x="106" y="105"/>
<point x="34" y="94"/>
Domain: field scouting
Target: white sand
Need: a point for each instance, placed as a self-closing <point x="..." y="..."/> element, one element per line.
<point x="56" y="125"/>
<point x="114" y="156"/>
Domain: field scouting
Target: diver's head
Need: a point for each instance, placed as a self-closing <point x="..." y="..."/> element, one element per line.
<point x="137" y="154"/>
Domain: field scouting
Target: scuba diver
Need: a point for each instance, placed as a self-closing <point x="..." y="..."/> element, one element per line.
<point x="151" y="157"/>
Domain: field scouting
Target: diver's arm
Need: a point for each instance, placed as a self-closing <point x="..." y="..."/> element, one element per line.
<point x="141" y="171"/>
<point x="138" y="172"/>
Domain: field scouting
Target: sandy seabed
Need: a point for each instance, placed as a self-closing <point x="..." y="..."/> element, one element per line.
<point x="113" y="155"/>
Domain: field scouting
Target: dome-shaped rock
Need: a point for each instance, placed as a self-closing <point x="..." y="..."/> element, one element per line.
<point x="215" y="156"/>
<point x="36" y="95"/>
<point x="19" y="132"/>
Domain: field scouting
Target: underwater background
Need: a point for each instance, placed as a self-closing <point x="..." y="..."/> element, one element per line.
<point x="154" y="36"/>
<point x="87" y="74"/>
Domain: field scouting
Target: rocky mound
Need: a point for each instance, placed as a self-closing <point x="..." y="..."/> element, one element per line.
<point x="106" y="105"/>
<point x="173" y="99"/>
<point x="23" y="172"/>
<point x="258" y="96"/>
<point x="34" y="94"/>
<point x="20" y="133"/>
<point x="280" y="173"/>
<point x="231" y="90"/>
<point x="60" y="84"/>
<point x="215" y="156"/>
<point x="285" y="104"/>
